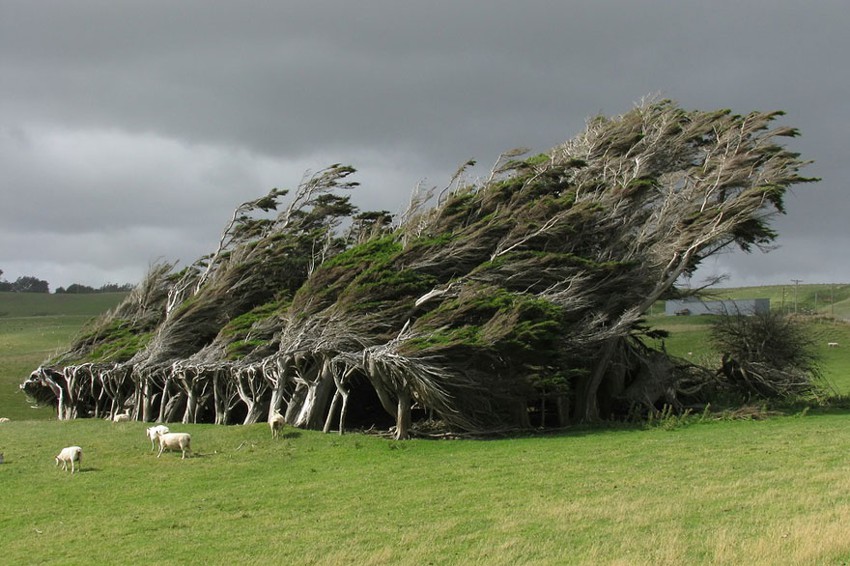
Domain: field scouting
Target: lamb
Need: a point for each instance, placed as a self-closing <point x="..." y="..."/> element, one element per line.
<point x="276" y="422"/>
<point x="70" y="455"/>
<point x="4" y="419"/>
<point x="155" y="431"/>
<point x="121" y="418"/>
<point x="174" y="440"/>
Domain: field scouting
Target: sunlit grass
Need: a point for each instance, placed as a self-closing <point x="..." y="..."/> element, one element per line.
<point x="774" y="492"/>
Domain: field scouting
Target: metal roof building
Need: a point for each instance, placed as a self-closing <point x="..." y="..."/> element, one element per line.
<point x="738" y="306"/>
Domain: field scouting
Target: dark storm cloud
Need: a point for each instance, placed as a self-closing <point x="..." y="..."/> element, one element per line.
<point x="153" y="118"/>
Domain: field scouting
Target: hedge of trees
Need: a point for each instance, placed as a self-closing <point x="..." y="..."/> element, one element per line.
<point x="510" y="302"/>
<point x="24" y="284"/>
<point x="30" y="284"/>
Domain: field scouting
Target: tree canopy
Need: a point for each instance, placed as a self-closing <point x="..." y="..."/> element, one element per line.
<point x="24" y="284"/>
<point x="507" y="299"/>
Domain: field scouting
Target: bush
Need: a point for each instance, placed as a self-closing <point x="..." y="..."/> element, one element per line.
<point x="767" y="355"/>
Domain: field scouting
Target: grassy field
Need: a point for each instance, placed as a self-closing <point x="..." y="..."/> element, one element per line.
<point x="700" y="491"/>
<point x="728" y="492"/>
<point x="32" y="327"/>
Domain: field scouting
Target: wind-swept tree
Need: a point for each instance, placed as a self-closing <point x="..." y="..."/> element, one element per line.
<point x="514" y="301"/>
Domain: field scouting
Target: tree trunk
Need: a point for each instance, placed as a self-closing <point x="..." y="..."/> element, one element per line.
<point x="251" y="387"/>
<point x="402" y="421"/>
<point x="222" y="395"/>
<point x="172" y="409"/>
<point x="332" y="411"/>
<point x="343" y="412"/>
<point x="255" y="411"/>
<point x="147" y="401"/>
<point x="295" y="403"/>
<point x="313" y="409"/>
<point x="191" y="407"/>
<point x="563" y="410"/>
<point x="276" y="400"/>
<point x="587" y="409"/>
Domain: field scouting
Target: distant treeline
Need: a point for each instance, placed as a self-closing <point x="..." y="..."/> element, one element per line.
<point x="29" y="284"/>
<point x="108" y="288"/>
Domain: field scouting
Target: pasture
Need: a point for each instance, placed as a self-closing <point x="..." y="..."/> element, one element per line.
<point x="725" y="492"/>
<point x="33" y="326"/>
<point x="705" y="489"/>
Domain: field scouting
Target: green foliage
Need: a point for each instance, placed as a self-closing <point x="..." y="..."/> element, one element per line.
<point x="382" y="280"/>
<point x="379" y="250"/>
<point x="444" y="337"/>
<point x="117" y="343"/>
<point x="522" y="328"/>
<point x="252" y="330"/>
<point x="238" y="349"/>
<point x="242" y="324"/>
<point x="538" y="159"/>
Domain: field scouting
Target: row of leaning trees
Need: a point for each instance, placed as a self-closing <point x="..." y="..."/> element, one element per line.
<point x="507" y="302"/>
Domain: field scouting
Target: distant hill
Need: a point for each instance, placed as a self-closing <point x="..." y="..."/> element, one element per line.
<point x="45" y="304"/>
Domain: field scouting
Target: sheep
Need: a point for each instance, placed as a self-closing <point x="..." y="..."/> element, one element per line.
<point x="155" y="431"/>
<point x="832" y="344"/>
<point x="4" y="419"/>
<point x="276" y="422"/>
<point x="121" y="418"/>
<point x="174" y="440"/>
<point x="70" y="455"/>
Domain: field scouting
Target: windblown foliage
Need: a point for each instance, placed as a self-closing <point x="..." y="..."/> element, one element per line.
<point x="509" y="298"/>
<point x="766" y="356"/>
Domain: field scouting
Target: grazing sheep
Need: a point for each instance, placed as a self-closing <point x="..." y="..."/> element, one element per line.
<point x="173" y="441"/>
<point x="121" y="418"/>
<point x="155" y="431"/>
<point x="276" y="423"/>
<point x="4" y="419"/>
<point x="70" y="455"/>
<point x="832" y="344"/>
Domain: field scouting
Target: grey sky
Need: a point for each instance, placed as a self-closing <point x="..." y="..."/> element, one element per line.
<point x="129" y="131"/>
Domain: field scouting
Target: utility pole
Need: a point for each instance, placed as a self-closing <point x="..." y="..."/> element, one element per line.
<point x="796" y="283"/>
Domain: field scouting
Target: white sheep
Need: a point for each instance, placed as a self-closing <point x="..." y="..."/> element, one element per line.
<point x="276" y="422"/>
<point x="155" y="431"/>
<point x="4" y="419"/>
<point x="832" y="344"/>
<point x="70" y="455"/>
<point x="173" y="441"/>
<point x="121" y="418"/>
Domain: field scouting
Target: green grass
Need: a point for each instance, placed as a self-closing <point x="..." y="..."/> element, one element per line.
<point x="14" y="305"/>
<point x="34" y="326"/>
<point x="730" y="492"/>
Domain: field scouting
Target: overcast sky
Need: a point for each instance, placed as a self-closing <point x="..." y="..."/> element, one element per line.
<point x="129" y="131"/>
